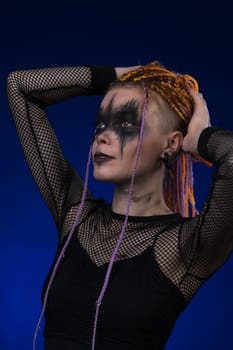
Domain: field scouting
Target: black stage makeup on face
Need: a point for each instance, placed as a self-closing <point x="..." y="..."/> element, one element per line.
<point x="124" y="120"/>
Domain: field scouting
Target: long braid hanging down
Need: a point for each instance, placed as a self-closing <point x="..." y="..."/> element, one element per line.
<point x="178" y="184"/>
<point x="124" y="226"/>
<point x="75" y="223"/>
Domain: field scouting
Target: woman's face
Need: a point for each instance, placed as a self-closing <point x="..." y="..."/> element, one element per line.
<point x="117" y="134"/>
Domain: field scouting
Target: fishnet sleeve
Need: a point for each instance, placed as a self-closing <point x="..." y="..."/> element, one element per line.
<point x="191" y="251"/>
<point x="207" y="240"/>
<point x="29" y="93"/>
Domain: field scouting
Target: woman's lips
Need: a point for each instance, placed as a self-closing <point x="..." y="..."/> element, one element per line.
<point x="100" y="158"/>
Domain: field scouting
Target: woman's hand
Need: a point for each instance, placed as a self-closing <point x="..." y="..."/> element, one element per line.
<point x="199" y="121"/>
<point x="122" y="70"/>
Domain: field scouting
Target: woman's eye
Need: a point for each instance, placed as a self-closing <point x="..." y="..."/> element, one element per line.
<point x="100" y="126"/>
<point x="126" y="124"/>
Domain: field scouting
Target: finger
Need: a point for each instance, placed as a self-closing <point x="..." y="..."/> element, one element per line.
<point x="198" y="98"/>
<point x="193" y="93"/>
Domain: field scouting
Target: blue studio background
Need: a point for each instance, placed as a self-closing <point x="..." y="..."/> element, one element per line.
<point x="190" y="37"/>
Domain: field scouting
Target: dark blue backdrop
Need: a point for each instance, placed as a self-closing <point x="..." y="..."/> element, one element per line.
<point x="191" y="37"/>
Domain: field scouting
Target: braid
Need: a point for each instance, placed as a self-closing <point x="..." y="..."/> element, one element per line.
<point x="170" y="85"/>
<point x="178" y="183"/>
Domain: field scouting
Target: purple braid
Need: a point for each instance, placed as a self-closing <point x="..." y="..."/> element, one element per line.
<point x="181" y="185"/>
<point x="109" y="269"/>
<point x="79" y="212"/>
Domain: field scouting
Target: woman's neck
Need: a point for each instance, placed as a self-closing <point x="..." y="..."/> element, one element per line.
<point x="146" y="200"/>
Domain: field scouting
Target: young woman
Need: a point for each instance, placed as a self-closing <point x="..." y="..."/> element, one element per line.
<point x="125" y="271"/>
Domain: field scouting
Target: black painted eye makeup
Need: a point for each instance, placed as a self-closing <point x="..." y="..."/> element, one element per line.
<point x="99" y="127"/>
<point x="124" y="120"/>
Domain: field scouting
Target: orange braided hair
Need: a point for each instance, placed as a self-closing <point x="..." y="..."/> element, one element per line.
<point x="178" y="184"/>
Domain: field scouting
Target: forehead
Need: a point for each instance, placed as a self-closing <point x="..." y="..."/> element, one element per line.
<point x="120" y="96"/>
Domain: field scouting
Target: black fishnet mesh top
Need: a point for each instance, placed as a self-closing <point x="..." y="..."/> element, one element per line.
<point x="182" y="253"/>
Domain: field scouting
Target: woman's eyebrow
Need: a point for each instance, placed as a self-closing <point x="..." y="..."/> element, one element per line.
<point x="116" y="111"/>
<point x="131" y="105"/>
<point x="100" y="114"/>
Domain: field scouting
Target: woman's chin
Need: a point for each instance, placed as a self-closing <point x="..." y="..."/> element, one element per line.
<point x="103" y="177"/>
<point x="116" y="180"/>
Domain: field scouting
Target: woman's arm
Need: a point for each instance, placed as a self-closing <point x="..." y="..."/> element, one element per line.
<point x="29" y="93"/>
<point x="209" y="236"/>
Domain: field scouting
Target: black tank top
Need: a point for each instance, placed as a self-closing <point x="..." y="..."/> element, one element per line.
<point x="138" y="311"/>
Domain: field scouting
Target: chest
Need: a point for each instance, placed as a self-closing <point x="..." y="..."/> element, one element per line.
<point x="99" y="239"/>
<point x="138" y="298"/>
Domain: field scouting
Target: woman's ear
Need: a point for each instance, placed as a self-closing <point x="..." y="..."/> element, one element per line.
<point x="174" y="142"/>
<point x="172" y="149"/>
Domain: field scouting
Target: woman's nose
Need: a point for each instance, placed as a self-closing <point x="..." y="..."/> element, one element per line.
<point x="104" y="137"/>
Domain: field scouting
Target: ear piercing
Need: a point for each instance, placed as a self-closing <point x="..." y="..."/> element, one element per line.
<point x="166" y="160"/>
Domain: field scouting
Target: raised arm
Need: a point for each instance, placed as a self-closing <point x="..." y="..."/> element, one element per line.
<point x="29" y="93"/>
<point x="209" y="236"/>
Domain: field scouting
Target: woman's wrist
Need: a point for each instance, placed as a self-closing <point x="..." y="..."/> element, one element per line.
<point x="102" y="77"/>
